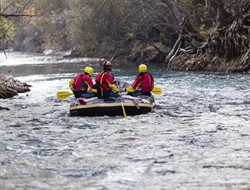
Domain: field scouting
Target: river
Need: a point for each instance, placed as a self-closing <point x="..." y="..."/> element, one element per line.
<point x="197" y="137"/>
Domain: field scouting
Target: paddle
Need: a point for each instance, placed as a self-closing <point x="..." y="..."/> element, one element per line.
<point x="157" y="90"/>
<point x="123" y="109"/>
<point x="63" y="94"/>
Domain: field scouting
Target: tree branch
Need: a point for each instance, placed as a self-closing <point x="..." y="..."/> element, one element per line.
<point x="16" y="15"/>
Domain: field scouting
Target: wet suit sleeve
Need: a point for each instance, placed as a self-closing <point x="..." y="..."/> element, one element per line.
<point x="89" y="83"/>
<point x="134" y="85"/>
<point x="111" y="84"/>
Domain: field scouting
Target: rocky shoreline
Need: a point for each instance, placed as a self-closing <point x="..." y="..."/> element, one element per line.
<point x="206" y="63"/>
<point x="10" y="87"/>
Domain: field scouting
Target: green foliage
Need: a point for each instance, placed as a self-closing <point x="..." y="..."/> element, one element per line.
<point x="6" y="30"/>
<point x="112" y="24"/>
<point x="95" y="23"/>
<point x="11" y="11"/>
<point x="48" y="27"/>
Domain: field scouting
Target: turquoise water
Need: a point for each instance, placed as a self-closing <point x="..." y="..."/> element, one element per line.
<point x="197" y="137"/>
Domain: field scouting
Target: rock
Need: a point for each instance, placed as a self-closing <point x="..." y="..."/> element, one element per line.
<point x="4" y="108"/>
<point x="10" y="87"/>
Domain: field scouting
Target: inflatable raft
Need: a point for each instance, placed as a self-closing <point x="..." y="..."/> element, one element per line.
<point x="124" y="105"/>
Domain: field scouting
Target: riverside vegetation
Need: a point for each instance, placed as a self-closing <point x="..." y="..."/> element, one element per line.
<point x="184" y="35"/>
<point x="207" y="35"/>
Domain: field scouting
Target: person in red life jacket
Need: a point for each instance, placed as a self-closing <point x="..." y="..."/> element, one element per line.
<point x="105" y="83"/>
<point x="143" y="84"/>
<point x="82" y="84"/>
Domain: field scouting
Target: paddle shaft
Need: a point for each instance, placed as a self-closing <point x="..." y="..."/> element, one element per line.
<point x="123" y="109"/>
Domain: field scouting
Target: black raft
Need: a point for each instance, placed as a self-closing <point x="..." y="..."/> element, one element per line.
<point x="112" y="106"/>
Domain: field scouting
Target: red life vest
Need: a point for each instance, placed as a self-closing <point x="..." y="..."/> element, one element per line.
<point x="144" y="81"/>
<point x="79" y="83"/>
<point x="103" y="78"/>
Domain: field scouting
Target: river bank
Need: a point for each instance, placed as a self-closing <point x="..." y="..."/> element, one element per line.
<point x="205" y="63"/>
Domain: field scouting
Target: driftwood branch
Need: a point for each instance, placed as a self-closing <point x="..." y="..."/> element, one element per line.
<point x="17" y="15"/>
<point x="158" y="49"/>
<point x="186" y="27"/>
<point x="174" y="50"/>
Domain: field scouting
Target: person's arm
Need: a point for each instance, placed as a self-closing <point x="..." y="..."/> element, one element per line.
<point x="134" y="85"/>
<point x="137" y="82"/>
<point x="89" y="83"/>
<point x="111" y="83"/>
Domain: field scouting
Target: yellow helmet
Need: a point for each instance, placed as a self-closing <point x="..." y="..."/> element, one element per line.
<point x="89" y="70"/>
<point x="142" y="68"/>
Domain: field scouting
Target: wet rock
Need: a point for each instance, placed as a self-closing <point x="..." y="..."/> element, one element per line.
<point x="10" y="87"/>
<point x="4" y="108"/>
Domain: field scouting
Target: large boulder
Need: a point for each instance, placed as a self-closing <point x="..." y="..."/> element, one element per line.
<point x="10" y="87"/>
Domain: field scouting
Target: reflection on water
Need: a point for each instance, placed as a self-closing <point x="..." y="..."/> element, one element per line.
<point x="196" y="138"/>
<point x="40" y="64"/>
<point x="20" y="58"/>
<point x="35" y="64"/>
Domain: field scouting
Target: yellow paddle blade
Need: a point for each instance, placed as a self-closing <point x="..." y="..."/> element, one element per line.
<point x="157" y="90"/>
<point x="63" y="94"/>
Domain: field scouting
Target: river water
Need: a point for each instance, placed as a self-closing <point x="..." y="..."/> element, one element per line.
<point x="197" y="137"/>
